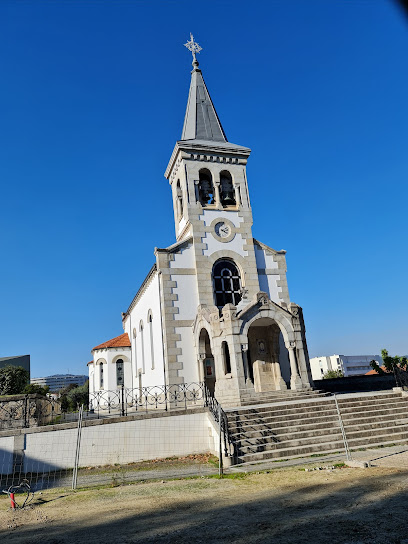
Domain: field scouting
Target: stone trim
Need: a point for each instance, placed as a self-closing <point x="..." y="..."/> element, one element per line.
<point x="211" y="229"/>
<point x="183" y="323"/>
<point x="269" y="249"/>
<point x="183" y="271"/>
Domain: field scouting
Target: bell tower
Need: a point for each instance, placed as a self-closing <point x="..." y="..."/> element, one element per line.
<point x="207" y="175"/>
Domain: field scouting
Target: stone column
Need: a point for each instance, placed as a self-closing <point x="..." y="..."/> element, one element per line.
<point x="200" y="360"/>
<point x="244" y="348"/>
<point x="295" y="381"/>
<point x="196" y="191"/>
<point x="237" y="197"/>
<point x="303" y="366"/>
<point x="217" y="194"/>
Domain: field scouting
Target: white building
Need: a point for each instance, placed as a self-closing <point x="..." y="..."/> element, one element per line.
<point x="59" y="381"/>
<point x="215" y="306"/>
<point x="349" y="365"/>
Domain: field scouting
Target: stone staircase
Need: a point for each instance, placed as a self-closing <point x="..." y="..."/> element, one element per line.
<point x="269" y="397"/>
<point x="305" y="426"/>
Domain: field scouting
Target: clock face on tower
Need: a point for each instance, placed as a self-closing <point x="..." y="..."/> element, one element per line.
<point x="222" y="229"/>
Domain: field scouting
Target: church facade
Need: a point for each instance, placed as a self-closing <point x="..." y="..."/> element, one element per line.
<point x="215" y="306"/>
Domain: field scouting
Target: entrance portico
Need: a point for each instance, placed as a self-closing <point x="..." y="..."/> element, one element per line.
<point x="256" y="347"/>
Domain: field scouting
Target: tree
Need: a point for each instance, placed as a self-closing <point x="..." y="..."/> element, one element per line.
<point x="13" y="380"/>
<point x="34" y="388"/>
<point x="391" y="364"/>
<point x="333" y="374"/>
<point x="73" y="396"/>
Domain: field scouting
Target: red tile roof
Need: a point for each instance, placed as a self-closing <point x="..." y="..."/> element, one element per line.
<point x="121" y="341"/>
<point x="372" y="372"/>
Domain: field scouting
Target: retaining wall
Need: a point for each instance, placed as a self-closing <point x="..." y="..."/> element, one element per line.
<point x="109" y="441"/>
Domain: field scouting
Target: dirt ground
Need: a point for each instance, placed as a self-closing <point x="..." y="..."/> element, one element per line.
<point x="285" y="506"/>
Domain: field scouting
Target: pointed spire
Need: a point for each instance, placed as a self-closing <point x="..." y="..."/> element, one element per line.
<point x="201" y="121"/>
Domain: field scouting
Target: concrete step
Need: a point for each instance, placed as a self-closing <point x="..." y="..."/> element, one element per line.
<point x="279" y="423"/>
<point x="323" y="447"/>
<point x="292" y="429"/>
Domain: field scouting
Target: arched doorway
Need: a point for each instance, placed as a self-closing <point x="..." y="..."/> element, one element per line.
<point x="268" y="361"/>
<point x="208" y="361"/>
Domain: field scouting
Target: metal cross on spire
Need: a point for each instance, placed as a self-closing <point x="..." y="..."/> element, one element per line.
<point x="193" y="47"/>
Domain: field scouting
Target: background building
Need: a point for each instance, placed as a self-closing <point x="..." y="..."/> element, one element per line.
<point x="350" y="365"/>
<point x="16" y="360"/>
<point x="59" y="381"/>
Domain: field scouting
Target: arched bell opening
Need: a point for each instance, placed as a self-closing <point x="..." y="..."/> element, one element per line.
<point x="267" y="358"/>
<point x="206" y="193"/>
<point x="208" y="361"/>
<point x="227" y="189"/>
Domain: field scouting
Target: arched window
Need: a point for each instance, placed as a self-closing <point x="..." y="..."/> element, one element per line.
<point x="205" y="188"/>
<point x="226" y="283"/>
<point x="101" y="376"/>
<point x="226" y="358"/>
<point x="150" y="321"/>
<point x="227" y="189"/>
<point x="141" y="327"/>
<point x="179" y="201"/>
<point x="120" y="373"/>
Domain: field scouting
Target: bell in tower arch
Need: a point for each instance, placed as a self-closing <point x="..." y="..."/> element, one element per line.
<point x="227" y="189"/>
<point x="206" y="188"/>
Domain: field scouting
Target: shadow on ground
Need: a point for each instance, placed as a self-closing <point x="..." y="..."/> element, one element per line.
<point x="367" y="508"/>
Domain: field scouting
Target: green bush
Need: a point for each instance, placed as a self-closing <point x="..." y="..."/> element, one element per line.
<point x="330" y="374"/>
<point x="72" y="396"/>
<point x="34" y="388"/>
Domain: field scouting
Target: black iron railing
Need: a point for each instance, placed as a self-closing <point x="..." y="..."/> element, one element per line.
<point x="34" y="410"/>
<point x="125" y="401"/>
<point x="22" y="411"/>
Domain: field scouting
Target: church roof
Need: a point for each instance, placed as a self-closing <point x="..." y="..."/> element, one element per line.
<point x="201" y="121"/>
<point x="121" y="341"/>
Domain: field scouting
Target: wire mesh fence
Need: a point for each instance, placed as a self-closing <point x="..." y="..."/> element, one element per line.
<point x="121" y="435"/>
<point x="46" y="447"/>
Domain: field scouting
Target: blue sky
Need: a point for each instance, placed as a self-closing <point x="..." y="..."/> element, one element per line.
<point x="92" y="100"/>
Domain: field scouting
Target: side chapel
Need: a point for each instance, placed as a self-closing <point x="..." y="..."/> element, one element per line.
<point x="215" y="306"/>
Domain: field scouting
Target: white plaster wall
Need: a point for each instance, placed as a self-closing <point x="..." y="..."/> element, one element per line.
<point x="150" y="300"/>
<point x="91" y="375"/>
<point x="184" y="258"/>
<point x="189" y="356"/>
<point x="123" y="442"/>
<point x="109" y="358"/>
<point x="273" y="289"/>
<point x="6" y="454"/>
<point x="213" y="245"/>
<point x="187" y="293"/>
<point x="263" y="260"/>
<point x="208" y="216"/>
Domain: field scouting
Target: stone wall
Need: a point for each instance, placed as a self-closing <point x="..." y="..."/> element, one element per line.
<point x="353" y="384"/>
<point x="20" y="411"/>
<point x="108" y="441"/>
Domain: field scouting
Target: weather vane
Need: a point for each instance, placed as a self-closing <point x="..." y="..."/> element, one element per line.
<point x="193" y="47"/>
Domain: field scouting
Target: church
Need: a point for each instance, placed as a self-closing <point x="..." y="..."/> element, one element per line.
<point x="215" y="306"/>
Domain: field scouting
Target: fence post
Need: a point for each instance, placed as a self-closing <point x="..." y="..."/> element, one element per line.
<point x="343" y="432"/>
<point x="78" y="446"/>
<point x="26" y="411"/>
<point x="220" y="467"/>
<point x="123" y="400"/>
